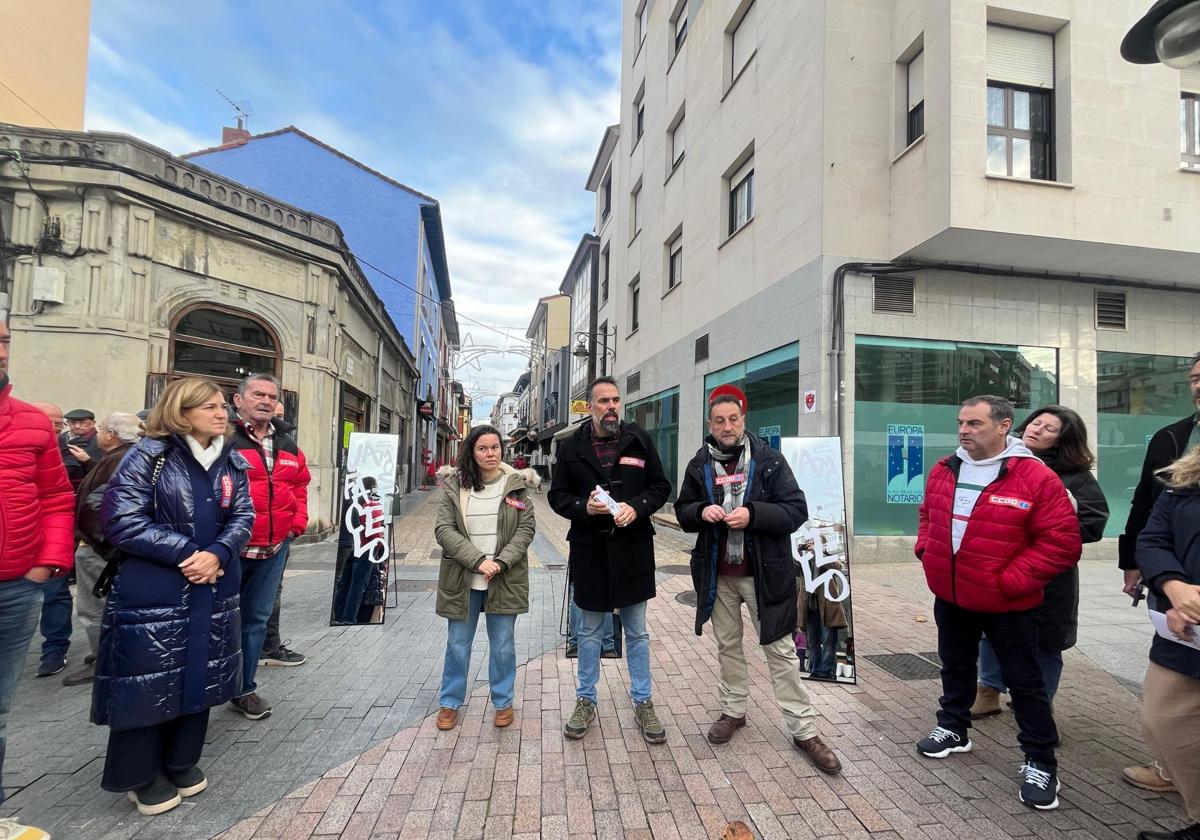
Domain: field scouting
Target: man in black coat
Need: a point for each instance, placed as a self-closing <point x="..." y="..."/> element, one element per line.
<point x="1168" y="444"/>
<point x="612" y="552"/>
<point x="742" y="499"/>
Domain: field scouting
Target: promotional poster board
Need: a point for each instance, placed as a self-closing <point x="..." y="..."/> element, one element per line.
<point x="361" y="574"/>
<point x="820" y="549"/>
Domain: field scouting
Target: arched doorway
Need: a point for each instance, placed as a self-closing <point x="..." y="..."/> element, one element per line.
<point x="223" y="344"/>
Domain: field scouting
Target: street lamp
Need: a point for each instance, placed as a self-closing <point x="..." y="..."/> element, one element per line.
<point x="581" y="350"/>
<point x="1168" y="33"/>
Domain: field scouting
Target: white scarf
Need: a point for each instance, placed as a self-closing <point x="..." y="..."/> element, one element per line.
<point x="206" y="456"/>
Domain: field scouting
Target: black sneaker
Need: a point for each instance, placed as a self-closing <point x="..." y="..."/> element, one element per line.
<point x="51" y="665"/>
<point x="188" y="782"/>
<point x="572" y="651"/>
<point x="941" y="742"/>
<point x="158" y="797"/>
<point x="283" y="655"/>
<point x="1192" y="832"/>
<point x="1040" y="788"/>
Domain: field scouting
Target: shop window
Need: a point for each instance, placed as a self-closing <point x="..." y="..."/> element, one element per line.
<point x="659" y="416"/>
<point x="771" y="383"/>
<point x="907" y="393"/>
<point x="1136" y="395"/>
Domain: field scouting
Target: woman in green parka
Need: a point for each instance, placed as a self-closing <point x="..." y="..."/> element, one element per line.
<point x="484" y="526"/>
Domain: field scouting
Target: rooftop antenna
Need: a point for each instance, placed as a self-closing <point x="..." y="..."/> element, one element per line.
<point x="242" y="109"/>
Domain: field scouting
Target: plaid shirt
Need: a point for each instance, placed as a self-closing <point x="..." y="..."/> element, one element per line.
<point x="267" y="442"/>
<point x="605" y="449"/>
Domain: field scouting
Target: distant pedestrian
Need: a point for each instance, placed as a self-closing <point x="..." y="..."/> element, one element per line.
<point x="1166" y="446"/>
<point x="57" y="603"/>
<point x="279" y="478"/>
<point x="36" y="541"/>
<point x="740" y="496"/>
<point x="996" y="526"/>
<point x="1058" y="437"/>
<point x="82" y="450"/>
<point x="612" y="549"/>
<point x="116" y="433"/>
<point x="1168" y="556"/>
<point x="485" y="524"/>
<point x="178" y="508"/>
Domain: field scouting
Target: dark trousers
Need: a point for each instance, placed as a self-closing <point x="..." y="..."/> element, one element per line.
<point x="272" y="642"/>
<point x="136" y="756"/>
<point x="1014" y="638"/>
<point x="354" y="574"/>
<point x="56" y="617"/>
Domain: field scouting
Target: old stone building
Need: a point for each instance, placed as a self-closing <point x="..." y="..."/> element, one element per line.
<point x="124" y="267"/>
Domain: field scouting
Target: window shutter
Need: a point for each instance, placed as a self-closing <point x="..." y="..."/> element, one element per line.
<point x="1020" y="57"/>
<point x="1110" y="310"/>
<point x="916" y="80"/>
<point x="741" y="173"/>
<point x="1189" y="80"/>
<point x="745" y="38"/>
<point x="893" y="294"/>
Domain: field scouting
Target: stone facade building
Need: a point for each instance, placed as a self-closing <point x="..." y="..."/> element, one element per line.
<point x="123" y="267"/>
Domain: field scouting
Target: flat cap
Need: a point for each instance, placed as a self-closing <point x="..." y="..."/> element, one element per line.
<point x="79" y="414"/>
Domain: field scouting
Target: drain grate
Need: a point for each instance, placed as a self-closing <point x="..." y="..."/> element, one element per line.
<point x="415" y="585"/>
<point x="675" y="570"/>
<point x="906" y="666"/>
<point x="687" y="598"/>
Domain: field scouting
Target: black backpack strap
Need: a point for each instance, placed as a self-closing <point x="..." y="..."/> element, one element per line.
<point x="104" y="582"/>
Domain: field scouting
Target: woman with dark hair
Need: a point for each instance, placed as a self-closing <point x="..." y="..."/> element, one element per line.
<point x="178" y="509"/>
<point x="1057" y="435"/>
<point x="484" y="526"/>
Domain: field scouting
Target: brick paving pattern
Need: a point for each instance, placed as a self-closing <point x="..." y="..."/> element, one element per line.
<point x="352" y="750"/>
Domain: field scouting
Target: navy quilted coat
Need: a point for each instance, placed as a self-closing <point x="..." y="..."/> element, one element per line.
<point x="1022" y="534"/>
<point x="168" y="647"/>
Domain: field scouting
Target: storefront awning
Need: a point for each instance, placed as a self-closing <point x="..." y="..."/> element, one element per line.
<point x="562" y="434"/>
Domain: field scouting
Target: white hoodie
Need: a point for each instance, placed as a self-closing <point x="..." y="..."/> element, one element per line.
<point x="973" y="477"/>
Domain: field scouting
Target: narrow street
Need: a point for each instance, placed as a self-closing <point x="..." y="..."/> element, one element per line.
<point x="351" y="750"/>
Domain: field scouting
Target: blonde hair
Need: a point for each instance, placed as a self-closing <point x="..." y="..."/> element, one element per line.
<point x="1185" y="472"/>
<point x="166" y="418"/>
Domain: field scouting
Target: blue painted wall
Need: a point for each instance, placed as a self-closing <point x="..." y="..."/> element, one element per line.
<point x="381" y="222"/>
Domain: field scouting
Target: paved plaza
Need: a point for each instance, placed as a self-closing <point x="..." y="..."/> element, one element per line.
<point x="351" y="750"/>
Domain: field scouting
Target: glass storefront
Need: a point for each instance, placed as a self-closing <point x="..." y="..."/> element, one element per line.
<point x="907" y="393"/>
<point x="658" y="414"/>
<point x="1136" y="396"/>
<point x="771" y="383"/>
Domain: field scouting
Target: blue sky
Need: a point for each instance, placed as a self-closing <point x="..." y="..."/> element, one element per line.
<point x="494" y="107"/>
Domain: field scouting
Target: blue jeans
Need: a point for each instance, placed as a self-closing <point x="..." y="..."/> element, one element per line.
<point x="1051" y="665"/>
<point x="637" y="651"/>
<point x="575" y="619"/>
<point x="260" y="582"/>
<point x="56" y="618"/>
<point x="822" y="646"/>
<point x="502" y="655"/>
<point x="20" y="601"/>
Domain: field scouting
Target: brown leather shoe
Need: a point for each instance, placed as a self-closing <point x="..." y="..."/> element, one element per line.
<point x="447" y="718"/>
<point x="819" y="753"/>
<point x="504" y="717"/>
<point x="721" y="731"/>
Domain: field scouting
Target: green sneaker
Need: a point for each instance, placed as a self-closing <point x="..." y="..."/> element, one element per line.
<point x="647" y="721"/>
<point x="584" y="714"/>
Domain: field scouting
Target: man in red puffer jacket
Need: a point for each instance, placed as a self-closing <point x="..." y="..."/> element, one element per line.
<point x="37" y="530"/>
<point x="996" y="527"/>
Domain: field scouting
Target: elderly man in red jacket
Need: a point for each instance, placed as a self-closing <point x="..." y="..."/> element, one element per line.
<point x="996" y="527"/>
<point x="37" y="531"/>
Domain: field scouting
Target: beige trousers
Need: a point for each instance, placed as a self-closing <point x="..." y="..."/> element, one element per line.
<point x="1171" y="723"/>
<point x="734" y="686"/>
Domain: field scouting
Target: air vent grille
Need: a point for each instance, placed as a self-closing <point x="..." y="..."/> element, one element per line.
<point x="633" y="383"/>
<point x="702" y="348"/>
<point x="894" y="294"/>
<point x="1110" y="310"/>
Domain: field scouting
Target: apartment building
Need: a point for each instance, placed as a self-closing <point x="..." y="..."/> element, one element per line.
<point x="549" y="334"/>
<point x="864" y="211"/>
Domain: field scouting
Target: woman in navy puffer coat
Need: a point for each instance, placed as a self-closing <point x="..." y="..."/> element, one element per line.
<point x="179" y="509"/>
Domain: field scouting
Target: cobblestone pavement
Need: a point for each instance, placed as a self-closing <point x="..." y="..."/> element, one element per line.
<point x="351" y="750"/>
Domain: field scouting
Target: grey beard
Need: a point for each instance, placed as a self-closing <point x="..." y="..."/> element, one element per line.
<point x="610" y="427"/>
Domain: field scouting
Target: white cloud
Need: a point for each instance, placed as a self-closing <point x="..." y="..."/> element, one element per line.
<point x="110" y="112"/>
